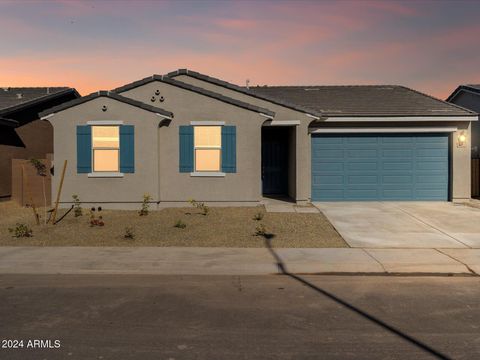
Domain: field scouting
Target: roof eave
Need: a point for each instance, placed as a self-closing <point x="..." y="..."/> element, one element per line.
<point x="38" y="100"/>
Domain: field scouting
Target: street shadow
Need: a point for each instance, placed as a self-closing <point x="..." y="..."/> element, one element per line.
<point x="283" y="269"/>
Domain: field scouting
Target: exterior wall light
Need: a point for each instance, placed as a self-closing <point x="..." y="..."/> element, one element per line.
<point x="462" y="139"/>
<point x="104" y="108"/>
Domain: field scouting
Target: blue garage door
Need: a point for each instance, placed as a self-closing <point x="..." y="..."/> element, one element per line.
<point x="380" y="167"/>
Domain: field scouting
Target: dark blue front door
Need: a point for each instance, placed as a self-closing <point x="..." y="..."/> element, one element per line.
<point x="380" y="167"/>
<point x="275" y="160"/>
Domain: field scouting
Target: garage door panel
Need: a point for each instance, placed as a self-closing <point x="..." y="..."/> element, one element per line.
<point x="397" y="165"/>
<point x="362" y="166"/>
<point x="397" y="179"/>
<point x="380" y="167"/>
<point x="363" y="179"/>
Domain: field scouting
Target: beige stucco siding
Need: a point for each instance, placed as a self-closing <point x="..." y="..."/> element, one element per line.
<point x="461" y="163"/>
<point x="300" y="190"/>
<point x="128" y="189"/>
<point x="187" y="106"/>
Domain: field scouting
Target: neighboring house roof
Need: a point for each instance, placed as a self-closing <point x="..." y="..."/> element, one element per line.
<point x="14" y="98"/>
<point x="227" y="85"/>
<point x="475" y="88"/>
<point x="364" y="100"/>
<point x="107" y="94"/>
<point x="214" y="95"/>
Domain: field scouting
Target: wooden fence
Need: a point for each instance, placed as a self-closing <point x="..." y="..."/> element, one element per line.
<point x="475" y="177"/>
<point x="27" y="186"/>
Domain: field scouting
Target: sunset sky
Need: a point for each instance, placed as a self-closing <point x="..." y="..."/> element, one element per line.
<point x="432" y="46"/>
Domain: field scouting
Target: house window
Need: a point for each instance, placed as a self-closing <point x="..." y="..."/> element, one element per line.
<point x="106" y="148"/>
<point x="208" y="147"/>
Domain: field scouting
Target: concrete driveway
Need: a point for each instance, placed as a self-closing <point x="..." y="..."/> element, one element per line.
<point x="405" y="224"/>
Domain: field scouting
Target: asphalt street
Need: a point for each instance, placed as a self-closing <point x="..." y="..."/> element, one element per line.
<point x="239" y="317"/>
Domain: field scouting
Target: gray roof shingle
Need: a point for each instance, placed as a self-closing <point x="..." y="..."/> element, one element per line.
<point x="227" y="85"/>
<point x="16" y="96"/>
<point x="363" y="100"/>
<point x="110" y="95"/>
<point x="214" y="95"/>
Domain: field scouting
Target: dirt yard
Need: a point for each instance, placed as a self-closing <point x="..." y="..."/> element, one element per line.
<point x="223" y="227"/>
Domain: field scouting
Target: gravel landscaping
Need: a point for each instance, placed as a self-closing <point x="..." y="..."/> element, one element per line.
<point x="222" y="227"/>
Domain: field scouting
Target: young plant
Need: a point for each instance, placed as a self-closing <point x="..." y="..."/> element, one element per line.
<point x="77" y="208"/>
<point x="260" y="230"/>
<point x="21" y="230"/>
<point x="200" y="206"/>
<point x="129" y="233"/>
<point x="94" y="220"/>
<point x="180" y="224"/>
<point x="41" y="171"/>
<point x="145" y="205"/>
<point x="258" y="216"/>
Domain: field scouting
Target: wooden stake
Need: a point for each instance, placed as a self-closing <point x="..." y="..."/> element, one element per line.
<point x="27" y="188"/>
<point x="52" y="220"/>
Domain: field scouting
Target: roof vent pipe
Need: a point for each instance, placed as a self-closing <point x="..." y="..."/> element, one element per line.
<point x="247" y="83"/>
<point x="19" y="96"/>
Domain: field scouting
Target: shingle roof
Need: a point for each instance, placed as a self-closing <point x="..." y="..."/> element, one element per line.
<point x="107" y="94"/>
<point x="227" y="85"/>
<point x="13" y="97"/>
<point x="363" y="100"/>
<point x="469" y="87"/>
<point x="196" y="89"/>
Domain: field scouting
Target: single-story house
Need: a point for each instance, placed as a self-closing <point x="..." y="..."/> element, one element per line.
<point x="468" y="96"/>
<point x="186" y="135"/>
<point x="22" y="134"/>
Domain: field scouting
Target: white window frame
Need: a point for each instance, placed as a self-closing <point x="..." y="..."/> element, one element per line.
<point x="99" y="173"/>
<point x="200" y="173"/>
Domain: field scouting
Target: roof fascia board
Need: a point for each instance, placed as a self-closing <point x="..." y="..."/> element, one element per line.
<point x="400" y="118"/>
<point x="9" y="122"/>
<point x="49" y="112"/>
<point x="464" y="89"/>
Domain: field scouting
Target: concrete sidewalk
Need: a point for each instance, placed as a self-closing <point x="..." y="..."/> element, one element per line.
<point x="234" y="261"/>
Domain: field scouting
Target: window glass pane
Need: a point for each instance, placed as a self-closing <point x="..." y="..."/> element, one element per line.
<point x="208" y="136"/>
<point x="105" y="136"/>
<point x="105" y="160"/>
<point x="207" y="160"/>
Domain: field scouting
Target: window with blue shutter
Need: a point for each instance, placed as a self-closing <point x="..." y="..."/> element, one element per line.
<point x="84" y="149"/>
<point x="186" y="148"/>
<point x="229" y="149"/>
<point x="127" y="149"/>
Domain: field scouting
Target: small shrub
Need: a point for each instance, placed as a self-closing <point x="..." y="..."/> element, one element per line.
<point x="260" y="230"/>
<point x="145" y="205"/>
<point x="200" y="206"/>
<point x="180" y="224"/>
<point x="258" y="216"/>
<point x="21" y="230"/>
<point x="94" y="221"/>
<point x="77" y="208"/>
<point x="129" y="233"/>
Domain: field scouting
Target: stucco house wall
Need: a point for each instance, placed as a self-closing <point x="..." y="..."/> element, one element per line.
<point x="460" y="156"/>
<point x="471" y="101"/>
<point x="300" y="163"/>
<point x="244" y="186"/>
<point x="111" y="191"/>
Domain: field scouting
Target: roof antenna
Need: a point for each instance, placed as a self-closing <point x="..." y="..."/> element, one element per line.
<point x="247" y="83"/>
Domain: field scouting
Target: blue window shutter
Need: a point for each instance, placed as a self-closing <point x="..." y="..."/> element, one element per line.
<point x="127" y="149"/>
<point x="84" y="149"/>
<point x="229" y="149"/>
<point x="186" y="148"/>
